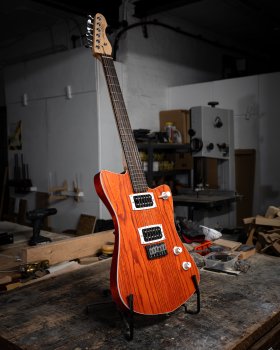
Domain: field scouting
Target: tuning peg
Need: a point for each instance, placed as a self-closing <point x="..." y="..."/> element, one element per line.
<point x="89" y="22"/>
<point x="90" y="30"/>
<point x="90" y="16"/>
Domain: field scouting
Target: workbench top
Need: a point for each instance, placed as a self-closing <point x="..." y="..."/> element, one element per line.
<point x="50" y="314"/>
<point x="204" y="200"/>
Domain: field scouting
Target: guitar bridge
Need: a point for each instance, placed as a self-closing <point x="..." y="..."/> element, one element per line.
<point x="142" y="201"/>
<point x="155" y="251"/>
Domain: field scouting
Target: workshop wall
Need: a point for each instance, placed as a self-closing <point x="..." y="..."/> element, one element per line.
<point x="64" y="137"/>
<point x="59" y="142"/>
<point x="78" y="145"/>
<point x="163" y="59"/>
<point x="255" y="105"/>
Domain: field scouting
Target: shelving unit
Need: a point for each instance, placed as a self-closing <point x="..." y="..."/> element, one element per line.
<point x="151" y="147"/>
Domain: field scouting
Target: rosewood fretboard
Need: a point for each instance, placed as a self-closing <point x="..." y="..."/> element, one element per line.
<point x="129" y="146"/>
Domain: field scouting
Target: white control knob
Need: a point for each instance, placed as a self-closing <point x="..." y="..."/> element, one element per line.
<point x="165" y="195"/>
<point x="186" y="265"/>
<point x="177" y="250"/>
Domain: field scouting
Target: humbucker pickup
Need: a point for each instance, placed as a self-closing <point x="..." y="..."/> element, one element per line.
<point x="142" y="201"/>
<point x="155" y="251"/>
<point x="152" y="233"/>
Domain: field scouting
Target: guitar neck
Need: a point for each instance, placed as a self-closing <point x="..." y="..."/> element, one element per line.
<point x="128" y="143"/>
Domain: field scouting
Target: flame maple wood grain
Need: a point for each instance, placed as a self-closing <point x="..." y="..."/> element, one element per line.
<point x="158" y="286"/>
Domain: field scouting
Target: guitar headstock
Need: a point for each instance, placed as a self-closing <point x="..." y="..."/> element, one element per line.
<point x="96" y="36"/>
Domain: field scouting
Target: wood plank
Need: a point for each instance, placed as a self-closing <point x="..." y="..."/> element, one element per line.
<point x="227" y="244"/>
<point x="68" y="249"/>
<point x="272" y="211"/>
<point x="5" y="344"/>
<point x="260" y="220"/>
<point x="10" y="253"/>
<point x="259" y="333"/>
<point x="251" y="236"/>
<point x="270" y="340"/>
<point x="250" y="220"/>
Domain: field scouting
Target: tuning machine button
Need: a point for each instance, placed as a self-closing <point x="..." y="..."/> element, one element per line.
<point x="177" y="250"/>
<point x="186" y="265"/>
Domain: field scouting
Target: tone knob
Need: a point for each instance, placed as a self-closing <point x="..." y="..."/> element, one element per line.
<point x="186" y="265"/>
<point x="165" y="195"/>
<point x="177" y="250"/>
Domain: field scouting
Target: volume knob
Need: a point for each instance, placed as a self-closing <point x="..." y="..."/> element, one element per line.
<point x="186" y="265"/>
<point x="177" y="250"/>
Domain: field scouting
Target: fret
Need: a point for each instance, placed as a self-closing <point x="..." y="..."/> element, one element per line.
<point x="128" y="143"/>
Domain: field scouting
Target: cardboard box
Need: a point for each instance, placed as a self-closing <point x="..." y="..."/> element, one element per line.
<point x="180" y="118"/>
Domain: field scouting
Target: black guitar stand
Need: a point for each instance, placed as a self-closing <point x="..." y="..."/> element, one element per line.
<point x="128" y="316"/>
<point x="128" y="319"/>
<point x="197" y="292"/>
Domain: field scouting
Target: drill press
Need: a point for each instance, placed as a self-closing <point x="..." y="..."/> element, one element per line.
<point x="37" y="217"/>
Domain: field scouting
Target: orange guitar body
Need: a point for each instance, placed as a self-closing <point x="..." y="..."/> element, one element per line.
<point x="158" y="285"/>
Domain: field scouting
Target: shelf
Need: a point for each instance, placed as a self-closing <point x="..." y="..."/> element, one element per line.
<point x="22" y="186"/>
<point x="59" y="193"/>
<point x="151" y="147"/>
<point x="72" y="194"/>
<point x="163" y="146"/>
<point x="169" y="172"/>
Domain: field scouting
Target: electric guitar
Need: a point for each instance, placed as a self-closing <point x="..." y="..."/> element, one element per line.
<point x="150" y="265"/>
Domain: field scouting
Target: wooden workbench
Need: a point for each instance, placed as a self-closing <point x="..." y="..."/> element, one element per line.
<point x="236" y="311"/>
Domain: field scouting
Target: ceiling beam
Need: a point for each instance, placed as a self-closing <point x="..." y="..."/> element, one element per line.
<point x="110" y="9"/>
<point x="144" y="8"/>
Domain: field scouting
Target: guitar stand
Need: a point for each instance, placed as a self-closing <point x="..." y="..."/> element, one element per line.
<point x="128" y="317"/>
<point x="197" y="292"/>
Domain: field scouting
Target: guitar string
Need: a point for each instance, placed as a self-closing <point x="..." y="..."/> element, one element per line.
<point x="123" y="129"/>
<point x="123" y="124"/>
<point x="127" y="138"/>
<point x="133" y="155"/>
<point x="122" y="120"/>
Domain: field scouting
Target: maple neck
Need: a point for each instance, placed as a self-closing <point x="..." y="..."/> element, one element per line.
<point x="130" y="150"/>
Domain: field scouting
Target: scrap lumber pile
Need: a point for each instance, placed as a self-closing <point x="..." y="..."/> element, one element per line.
<point x="264" y="231"/>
